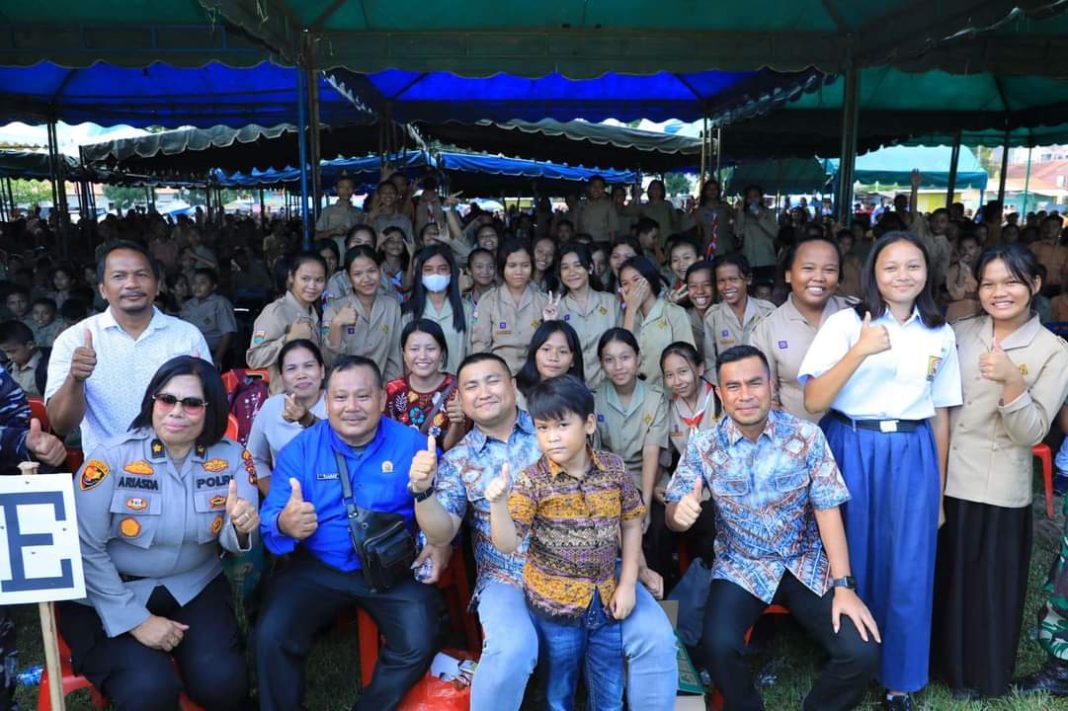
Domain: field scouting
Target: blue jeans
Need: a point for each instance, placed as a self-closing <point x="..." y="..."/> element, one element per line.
<point x="595" y="643"/>
<point x="510" y="652"/>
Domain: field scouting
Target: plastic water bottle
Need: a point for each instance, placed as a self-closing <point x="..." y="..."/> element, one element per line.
<point x="30" y="676"/>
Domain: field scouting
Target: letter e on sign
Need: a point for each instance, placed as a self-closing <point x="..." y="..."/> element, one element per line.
<point x="40" y="556"/>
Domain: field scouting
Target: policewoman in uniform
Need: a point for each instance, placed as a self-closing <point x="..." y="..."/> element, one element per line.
<point x="290" y="317"/>
<point x="153" y="505"/>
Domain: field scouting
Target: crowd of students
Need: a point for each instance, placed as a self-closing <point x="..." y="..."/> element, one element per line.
<point x="917" y="344"/>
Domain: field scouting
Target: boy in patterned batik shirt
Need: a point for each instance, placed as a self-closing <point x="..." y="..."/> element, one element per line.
<point x="573" y="502"/>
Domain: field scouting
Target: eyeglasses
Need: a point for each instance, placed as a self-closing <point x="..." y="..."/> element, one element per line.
<point x="192" y="405"/>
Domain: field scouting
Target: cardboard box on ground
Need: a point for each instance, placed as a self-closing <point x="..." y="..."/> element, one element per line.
<point x="690" y="695"/>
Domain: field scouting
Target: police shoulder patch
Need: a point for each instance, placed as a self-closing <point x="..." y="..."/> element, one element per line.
<point x="93" y="473"/>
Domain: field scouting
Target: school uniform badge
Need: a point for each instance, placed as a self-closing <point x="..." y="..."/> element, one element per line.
<point x="139" y="467"/>
<point x="216" y="525"/>
<point x="130" y="527"/>
<point x="94" y="472"/>
<point x="136" y="503"/>
<point x="217" y="502"/>
<point x="259" y="337"/>
<point x="932" y="367"/>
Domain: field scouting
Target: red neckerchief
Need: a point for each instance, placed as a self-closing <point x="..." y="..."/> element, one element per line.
<point x="695" y="421"/>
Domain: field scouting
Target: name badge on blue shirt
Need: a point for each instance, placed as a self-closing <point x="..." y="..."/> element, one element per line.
<point x="327" y="476"/>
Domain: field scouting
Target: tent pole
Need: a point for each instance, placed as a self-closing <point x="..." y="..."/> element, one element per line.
<point x="263" y="210"/>
<point x="847" y="167"/>
<point x="719" y="151"/>
<point x="1027" y="183"/>
<point x="1004" y="171"/>
<point x="302" y="144"/>
<point x="53" y="178"/>
<point x="704" y="152"/>
<point x="313" y="130"/>
<point x="954" y="161"/>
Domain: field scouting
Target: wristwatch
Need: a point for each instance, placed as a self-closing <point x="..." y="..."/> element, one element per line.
<point x="420" y="496"/>
<point x="847" y="582"/>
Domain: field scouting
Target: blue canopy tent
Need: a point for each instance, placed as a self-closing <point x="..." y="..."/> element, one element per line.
<point x="461" y="169"/>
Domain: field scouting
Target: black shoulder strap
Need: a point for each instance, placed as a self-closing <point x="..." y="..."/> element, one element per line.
<point x="351" y="509"/>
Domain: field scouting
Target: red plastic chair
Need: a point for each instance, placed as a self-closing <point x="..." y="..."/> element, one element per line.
<point x="39" y="411"/>
<point x="717" y="698"/>
<point x="232" y="427"/>
<point x="73" y="682"/>
<point x="457" y="592"/>
<point x="1045" y="455"/>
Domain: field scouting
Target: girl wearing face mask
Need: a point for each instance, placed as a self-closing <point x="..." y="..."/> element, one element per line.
<point x="421" y="399"/>
<point x="365" y="322"/>
<point x="506" y="318"/>
<point x="812" y="269"/>
<point x="554" y="351"/>
<point x="587" y="309"/>
<point x="436" y="297"/>
<point x="292" y="316"/>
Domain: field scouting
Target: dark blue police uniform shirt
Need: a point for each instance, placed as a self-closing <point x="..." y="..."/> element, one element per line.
<point x="379" y="476"/>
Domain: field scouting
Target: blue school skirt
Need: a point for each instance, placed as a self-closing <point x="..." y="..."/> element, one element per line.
<point x="891" y="523"/>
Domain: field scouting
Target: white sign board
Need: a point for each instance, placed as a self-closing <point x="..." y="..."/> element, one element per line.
<point x="40" y="555"/>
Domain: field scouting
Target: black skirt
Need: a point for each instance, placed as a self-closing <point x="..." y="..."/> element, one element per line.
<point x="984" y="553"/>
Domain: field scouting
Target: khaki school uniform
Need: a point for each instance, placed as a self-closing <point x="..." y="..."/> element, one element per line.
<point x="697" y="325"/>
<point x="784" y="336"/>
<point x="626" y="430"/>
<point x="722" y="329"/>
<point x="990" y="442"/>
<point x="663" y="325"/>
<point x="598" y="219"/>
<point x="376" y="335"/>
<point x="600" y="314"/>
<point x="271" y="330"/>
<point x="500" y="326"/>
<point x="214" y="316"/>
<point x="459" y="342"/>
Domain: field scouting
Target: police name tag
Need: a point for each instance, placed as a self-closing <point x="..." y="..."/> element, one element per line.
<point x="40" y="554"/>
<point x="327" y="476"/>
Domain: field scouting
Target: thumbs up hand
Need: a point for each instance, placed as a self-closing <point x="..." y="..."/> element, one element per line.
<point x="43" y="446"/>
<point x="83" y="360"/>
<point x="243" y="514"/>
<point x="689" y="506"/>
<point x="997" y="366"/>
<point x="298" y="519"/>
<point x="424" y="467"/>
<point x="873" y="339"/>
<point x="497" y="490"/>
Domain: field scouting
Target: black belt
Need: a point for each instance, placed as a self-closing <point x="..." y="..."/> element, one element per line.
<point x="884" y="426"/>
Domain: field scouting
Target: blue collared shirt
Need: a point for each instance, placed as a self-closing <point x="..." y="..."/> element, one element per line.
<point x="379" y="476"/>
<point x="766" y="493"/>
<point x="463" y="475"/>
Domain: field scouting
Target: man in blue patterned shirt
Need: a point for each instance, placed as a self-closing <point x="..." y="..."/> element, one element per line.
<point x="779" y="538"/>
<point x="505" y="434"/>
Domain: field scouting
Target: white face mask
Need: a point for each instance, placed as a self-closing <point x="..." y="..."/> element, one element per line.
<point x="436" y="282"/>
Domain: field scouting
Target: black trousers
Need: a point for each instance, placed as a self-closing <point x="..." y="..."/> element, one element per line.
<point x="732" y="610"/>
<point x="210" y="658"/>
<point x="307" y="594"/>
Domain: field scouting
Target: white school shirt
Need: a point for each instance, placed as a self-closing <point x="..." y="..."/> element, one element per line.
<point x="919" y="373"/>
<point x="124" y="367"/>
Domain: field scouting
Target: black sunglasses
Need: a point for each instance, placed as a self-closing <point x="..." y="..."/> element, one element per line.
<point x="189" y="404"/>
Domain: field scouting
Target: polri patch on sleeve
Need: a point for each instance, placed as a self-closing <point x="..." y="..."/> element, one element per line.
<point x="94" y="472"/>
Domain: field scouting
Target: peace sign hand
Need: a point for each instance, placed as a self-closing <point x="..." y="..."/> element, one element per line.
<point x="551" y="310"/>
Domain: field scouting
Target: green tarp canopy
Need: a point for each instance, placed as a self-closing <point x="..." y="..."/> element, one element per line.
<point x="894" y="165"/>
<point x="27" y="164"/>
<point x="483" y="37"/>
<point x="792" y="176"/>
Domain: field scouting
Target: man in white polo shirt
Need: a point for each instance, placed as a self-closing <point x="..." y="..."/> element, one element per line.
<point x="101" y="366"/>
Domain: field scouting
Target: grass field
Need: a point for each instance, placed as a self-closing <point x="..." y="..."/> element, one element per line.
<point x="790" y="658"/>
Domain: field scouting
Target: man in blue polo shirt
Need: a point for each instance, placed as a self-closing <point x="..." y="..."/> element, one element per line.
<point x="304" y="515"/>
